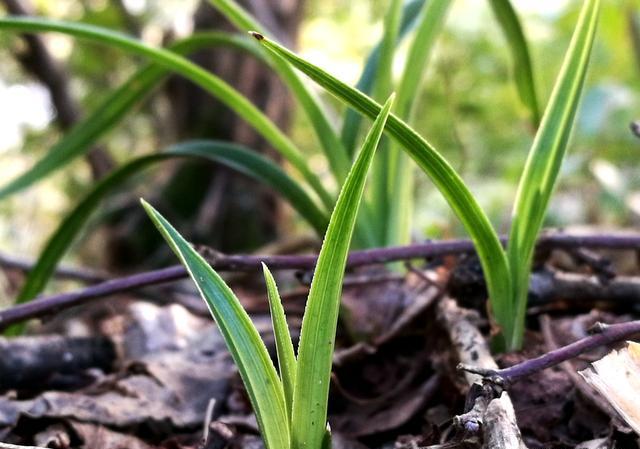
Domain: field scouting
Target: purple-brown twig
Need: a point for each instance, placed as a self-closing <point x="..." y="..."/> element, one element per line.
<point x="603" y="335"/>
<point x="47" y="305"/>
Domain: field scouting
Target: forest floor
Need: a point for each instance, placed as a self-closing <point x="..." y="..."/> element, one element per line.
<point x="148" y="369"/>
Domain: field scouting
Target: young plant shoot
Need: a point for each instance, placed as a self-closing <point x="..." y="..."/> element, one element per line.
<point x="386" y="210"/>
<point x="291" y="409"/>
<point x="506" y="271"/>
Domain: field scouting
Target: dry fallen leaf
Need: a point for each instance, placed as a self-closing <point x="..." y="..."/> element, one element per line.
<point x="617" y="377"/>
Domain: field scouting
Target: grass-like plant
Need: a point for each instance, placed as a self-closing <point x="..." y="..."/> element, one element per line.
<point x="506" y="271"/>
<point x="387" y="209"/>
<point x="386" y="214"/>
<point x="291" y="408"/>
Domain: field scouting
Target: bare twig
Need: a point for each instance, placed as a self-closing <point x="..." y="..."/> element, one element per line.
<point x="55" y="303"/>
<point x="37" y="60"/>
<point x="604" y="335"/>
<point x="221" y="262"/>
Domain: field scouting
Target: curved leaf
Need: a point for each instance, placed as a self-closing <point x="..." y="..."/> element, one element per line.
<point x="376" y="210"/>
<point x="318" y="332"/>
<point x="113" y="108"/>
<point x="522" y="67"/>
<point x="401" y="172"/>
<point x="445" y="178"/>
<point x="545" y="159"/>
<point x="243" y="340"/>
<point x="211" y="83"/>
<point x="239" y="158"/>
<point x="284" y="344"/>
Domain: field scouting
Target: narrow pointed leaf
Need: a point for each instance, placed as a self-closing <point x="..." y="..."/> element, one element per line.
<point x="284" y="344"/>
<point x="113" y="108"/>
<point x="522" y="66"/>
<point x="445" y="178"/>
<point x="317" y="336"/>
<point x="332" y="146"/>
<point x="209" y="82"/>
<point x="239" y="158"/>
<point x="376" y="211"/>
<point x="545" y="158"/>
<point x="352" y="119"/>
<point x="243" y="340"/>
<point x="384" y="73"/>
<point x="401" y="171"/>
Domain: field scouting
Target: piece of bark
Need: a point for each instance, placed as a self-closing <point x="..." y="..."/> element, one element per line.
<point x="616" y="376"/>
<point x="499" y="427"/>
<point x="30" y="362"/>
<point x="548" y="285"/>
<point x="495" y="416"/>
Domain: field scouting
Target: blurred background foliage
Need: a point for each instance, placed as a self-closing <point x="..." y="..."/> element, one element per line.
<point x="468" y="109"/>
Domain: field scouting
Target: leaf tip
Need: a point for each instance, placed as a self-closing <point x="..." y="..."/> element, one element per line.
<point x="145" y="204"/>
<point x="257" y="35"/>
<point x="148" y="208"/>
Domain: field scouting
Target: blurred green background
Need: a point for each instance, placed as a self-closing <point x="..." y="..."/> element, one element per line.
<point x="468" y="109"/>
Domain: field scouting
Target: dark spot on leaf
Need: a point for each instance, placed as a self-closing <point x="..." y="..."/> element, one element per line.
<point x="257" y="35"/>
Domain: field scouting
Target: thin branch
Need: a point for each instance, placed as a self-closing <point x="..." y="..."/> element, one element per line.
<point x="546" y="327"/>
<point x="605" y="335"/>
<point x="54" y="303"/>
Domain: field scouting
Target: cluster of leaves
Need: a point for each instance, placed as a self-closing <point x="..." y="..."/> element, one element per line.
<point x="384" y="220"/>
<point x="387" y="214"/>
<point x="292" y="409"/>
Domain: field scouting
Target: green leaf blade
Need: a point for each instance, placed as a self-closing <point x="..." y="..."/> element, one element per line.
<point x="115" y="107"/>
<point x="445" y="178"/>
<point x="284" y="344"/>
<point x="243" y="340"/>
<point x="317" y="338"/>
<point x="209" y="82"/>
<point x="376" y="211"/>
<point x="401" y="177"/>
<point x="545" y="158"/>
<point x="522" y="65"/>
